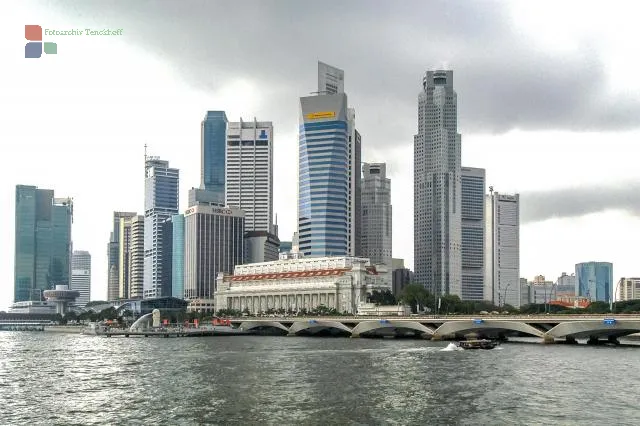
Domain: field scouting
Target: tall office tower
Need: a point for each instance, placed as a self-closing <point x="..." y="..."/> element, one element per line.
<point x="473" y="224"/>
<point x="113" y="255"/>
<point x="436" y="183"/>
<point x="328" y="170"/>
<point x="594" y="280"/>
<point x="160" y="202"/>
<point x="213" y="243"/>
<point x="167" y="258"/>
<point x="376" y="238"/>
<point x="177" y="258"/>
<point x="136" y="258"/>
<point x="354" y="208"/>
<point x="249" y="172"/>
<point x="502" y="249"/>
<point x="81" y="276"/>
<point x="42" y="242"/>
<point x="212" y="155"/>
<point x="124" y="254"/>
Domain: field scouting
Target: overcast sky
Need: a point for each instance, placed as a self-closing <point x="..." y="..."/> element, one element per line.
<point x="548" y="96"/>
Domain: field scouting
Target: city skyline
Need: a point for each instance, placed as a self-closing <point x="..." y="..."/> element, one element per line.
<point x="514" y="121"/>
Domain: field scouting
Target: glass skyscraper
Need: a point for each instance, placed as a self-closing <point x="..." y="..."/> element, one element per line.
<point x="323" y="176"/>
<point x="177" y="267"/>
<point x="213" y="143"/>
<point x="594" y="280"/>
<point x="42" y="242"/>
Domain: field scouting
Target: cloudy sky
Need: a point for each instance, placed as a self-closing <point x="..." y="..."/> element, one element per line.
<point x="548" y="103"/>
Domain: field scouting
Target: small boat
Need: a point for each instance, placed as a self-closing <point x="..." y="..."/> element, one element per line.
<point x="477" y="344"/>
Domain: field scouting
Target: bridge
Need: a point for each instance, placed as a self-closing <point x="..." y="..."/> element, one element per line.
<point x="549" y="329"/>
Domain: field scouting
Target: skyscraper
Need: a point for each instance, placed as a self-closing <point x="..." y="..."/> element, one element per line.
<point x="81" y="276"/>
<point x="329" y="170"/>
<point x="42" y="242"/>
<point x="161" y="201"/>
<point x="177" y="259"/>
<point x="502" y="249"/>
<point x="124" y="257"/>
<point x="437" y="192"/>
<point x="249" y="172"/>
<point x="212" y="156"/>
<point x="473" y="228"/>
<point x="594" y="280"/>
<point x="136" y="258"/>
<point x="113" y="255"/>
<point x="213" y="244"/>
<point x="376" y="238"/>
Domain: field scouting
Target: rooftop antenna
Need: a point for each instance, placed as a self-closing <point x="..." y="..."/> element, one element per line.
<point x="491" y="190"/>
<point x="145" y="152"/>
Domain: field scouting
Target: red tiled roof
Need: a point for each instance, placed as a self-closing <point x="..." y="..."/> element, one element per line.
<point x="289" y="275"/>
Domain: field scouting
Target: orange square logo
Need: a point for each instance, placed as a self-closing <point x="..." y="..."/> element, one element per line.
<point x="33" y="32"/>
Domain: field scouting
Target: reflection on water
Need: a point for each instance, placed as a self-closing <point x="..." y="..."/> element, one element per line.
<point x="71" y="379"/>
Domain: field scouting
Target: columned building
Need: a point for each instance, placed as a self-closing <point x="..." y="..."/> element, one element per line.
<point x="473" y="229"/>
<point x="502" y="249"/>
<point x="376" y="237"/>
<point x="339" y="282"/>
<point x="213" y="243"/>
<point x="81" y="276"/>
<point x="249" y="172"/>
<point x="42" y="242"/>
<point x="161" y="201"/>
<point x="437" y="187"/>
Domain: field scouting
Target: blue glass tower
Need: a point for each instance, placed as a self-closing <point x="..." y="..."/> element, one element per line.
<point x="214" y="140"/>
<point x="594" y="280"/>
<point x="177" y="269"/>
<point x="323" y="176"/>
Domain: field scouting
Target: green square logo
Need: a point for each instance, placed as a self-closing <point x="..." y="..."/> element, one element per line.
<point x="50" y="48"/>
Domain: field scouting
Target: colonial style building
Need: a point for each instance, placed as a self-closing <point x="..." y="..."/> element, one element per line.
<point x="303" y="283"/>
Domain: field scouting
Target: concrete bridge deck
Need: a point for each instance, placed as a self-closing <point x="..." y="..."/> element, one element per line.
<point x="549" y="328"/>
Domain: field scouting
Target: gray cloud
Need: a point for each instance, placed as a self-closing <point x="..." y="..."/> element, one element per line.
<point x="503" y="82"/>
<point x="574" y="202"/>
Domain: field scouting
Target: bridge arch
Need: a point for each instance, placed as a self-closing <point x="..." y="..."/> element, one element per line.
<point x="314" y="326"/>
<point x="373" y="325"/>
<point x="460" y="327"/>
<point x="250" y="325"/>
<point x="594" y="328"/>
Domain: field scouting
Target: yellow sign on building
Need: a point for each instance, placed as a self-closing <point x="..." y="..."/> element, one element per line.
<point x="318" y="115"/>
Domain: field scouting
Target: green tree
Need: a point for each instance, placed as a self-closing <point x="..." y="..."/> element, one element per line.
<point x="384" y="297"/>
<point x="414" y="295"/>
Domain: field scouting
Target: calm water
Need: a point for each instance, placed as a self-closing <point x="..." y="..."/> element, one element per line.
<point x="48" y="378"/>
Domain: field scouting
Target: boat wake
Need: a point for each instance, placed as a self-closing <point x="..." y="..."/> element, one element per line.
<point x="451" y="347"/>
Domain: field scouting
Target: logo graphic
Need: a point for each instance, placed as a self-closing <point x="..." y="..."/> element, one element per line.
<point x="34" y="48"/>
<point x="263" y="134"/>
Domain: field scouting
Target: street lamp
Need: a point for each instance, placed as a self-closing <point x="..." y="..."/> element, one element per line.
<point x="504" y="299"/>
<point x="613" y="308"/>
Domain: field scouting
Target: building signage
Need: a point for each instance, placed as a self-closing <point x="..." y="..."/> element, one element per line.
<point x="227" y="212"/>
<point x="609" y="321"/>
<point x="319" y="115"/>
<point x="189" y="211"/>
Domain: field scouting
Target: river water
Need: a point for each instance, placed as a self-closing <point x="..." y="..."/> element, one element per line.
<point x="50" y="378"/>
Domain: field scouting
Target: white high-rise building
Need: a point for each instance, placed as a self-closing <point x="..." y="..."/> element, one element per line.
<point x="160" y="203"/>
<point x="473" y="228"/>
<point x="437" y="187"/>
<point x="376" y="238"/>
<point x="502" y="253"/>
<point x="249" y="172"/>
<point x="330" y="79"/>
<point x="136" y="258"/>
<point x="81" y="276"/>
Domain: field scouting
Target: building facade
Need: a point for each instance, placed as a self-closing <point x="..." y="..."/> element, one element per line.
<point x="376" y="238"/>
<point x="628" y="289"/>
<point x="177" y="268"/>
<point x="354" y="175"/>
<point x="566" y="285"/>
<point x="400" y="277"/>
<point x="161" y="201"/>
<point x="437" y="187"/>
<point x="340" y="283"/>
<point x="43" y="244"/>
<point x="124" y="257"/>
<point x="212" y="156"/>
<point x="213" y="243"/>
<point x="249" y="172"/>
<point x="260" y="246"/>
<point x="323" y="176"/>
<point x="113" y="256"/>
<point x="594" y="280"/>
<point x="473" y="232"/>
<point x="167" y="259"/>
<point x="502" y="249"/>
<point x="81" y="276"/>
<point x="136" y="258"/>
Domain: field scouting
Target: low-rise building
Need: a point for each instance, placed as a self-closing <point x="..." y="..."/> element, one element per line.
<point x="628" y="289"/>
<point x="371" y="309"/>
<point x="339" y="283"/>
